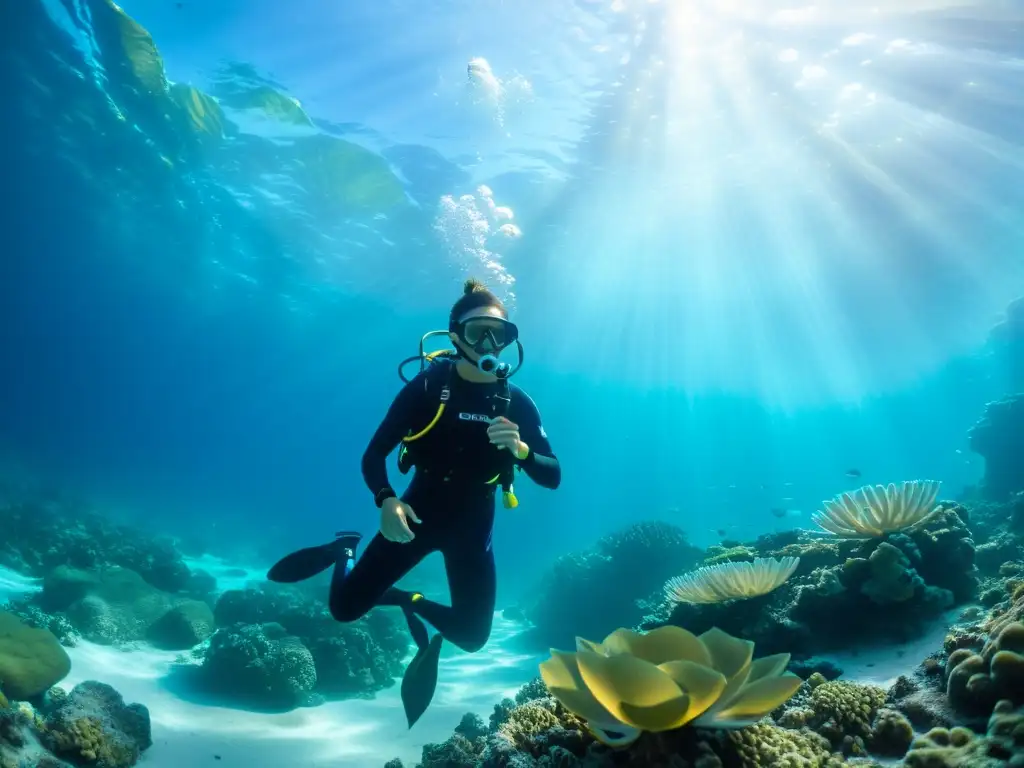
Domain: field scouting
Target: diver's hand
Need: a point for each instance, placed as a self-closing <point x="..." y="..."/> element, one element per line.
<point x="395" y="515"/>
<point x="504" y="434"/>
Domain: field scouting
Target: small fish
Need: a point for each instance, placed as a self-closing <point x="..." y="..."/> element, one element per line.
<point x="721" y="532"/>
<point x="781" y="512"/>
<point x="853" y="472"/>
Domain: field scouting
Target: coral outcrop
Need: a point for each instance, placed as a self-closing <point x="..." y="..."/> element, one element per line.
<point x="259" y="666"/>
<point x="845" y="590"/>
<point x="41" y="536"/>
<point x="95" y="727"/>
<point x="1000" y="746"/>
<point x="31" y="660"/>
<point x="1007" y="341"/>
<point x="276" y="649"/>
<point x="114" y="605"/>
<point x="824" y="725"/>
<point x="591" y="593"/>
<point x="91" y="727"/>
<point x="998" y="437"/>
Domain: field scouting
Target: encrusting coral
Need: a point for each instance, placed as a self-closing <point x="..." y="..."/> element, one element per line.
<point x="976" y="680"/>
<point x="1002" y="745"/>
<point x="845" y="711"/>
<point x="764" y="744"/>
<point x="662" y="680"/>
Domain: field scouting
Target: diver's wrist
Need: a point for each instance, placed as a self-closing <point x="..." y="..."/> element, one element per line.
<point x="383" y="495"/>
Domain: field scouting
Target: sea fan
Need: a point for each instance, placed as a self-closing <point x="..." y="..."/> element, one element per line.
<point x="876" y="510"/>
<point x="731" y="581"/>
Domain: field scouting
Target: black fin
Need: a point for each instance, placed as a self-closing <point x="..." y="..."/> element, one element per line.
<point x="420" y="680"/>
<point x="308" y="562"/>
<point x="417" y="628"/>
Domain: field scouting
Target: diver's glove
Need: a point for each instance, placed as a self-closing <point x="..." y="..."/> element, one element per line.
<point x="505" y="434"/>
<point x="395" y="515"/>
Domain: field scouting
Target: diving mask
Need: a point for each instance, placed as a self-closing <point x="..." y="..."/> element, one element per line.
<point x="487" y="337"/>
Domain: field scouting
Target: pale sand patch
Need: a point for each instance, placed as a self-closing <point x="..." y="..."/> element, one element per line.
<point x="355" y="734"/>
<point x="347" y="734"/>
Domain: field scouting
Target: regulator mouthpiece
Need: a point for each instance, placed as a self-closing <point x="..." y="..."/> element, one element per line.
<point x="492" y="365"/>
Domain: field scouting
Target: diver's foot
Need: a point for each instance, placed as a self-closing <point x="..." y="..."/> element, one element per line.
<point x="400" y="598"/>
<point x="310" y="561"/>
<point x="347" y="543"/>
<point x="405" y="600"/>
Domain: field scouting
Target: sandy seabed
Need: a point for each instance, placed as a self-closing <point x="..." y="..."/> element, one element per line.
<point x="358" y="733"/>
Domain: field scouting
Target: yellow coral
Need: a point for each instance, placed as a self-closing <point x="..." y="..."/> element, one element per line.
<point x="891" y="734"/>
<point x="719" y="554"/>
<point x="664" y="679"/>
<point x="763" y="744"/>
<point x="848" y="709"/>
<point x="942" y="747"/>
<point x="816" y="679"/>
<point x="527" y="721"/>
<point x="85" y="738"/>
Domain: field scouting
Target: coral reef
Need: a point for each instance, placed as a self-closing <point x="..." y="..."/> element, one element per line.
<point x="824" y="725"/>
<point x="276" y="648"/>
<point x="92" y="726"/>
<point x="999" y="529"/>
<point x="591" y="593"/>
<point x="1001" y="746"/>
<point x="998" y="437"/>
<point x="261" y="666"/>
<point x="32" y="615"/>
<point x="183" y="626"/>
<point x="1007" y="341"/>
<point x="975" y="681"/>
<point x="114" y="605"/>
<point x="31" y="660"/>
<point x="845" y="590"/>
<point x="48" y="535"/>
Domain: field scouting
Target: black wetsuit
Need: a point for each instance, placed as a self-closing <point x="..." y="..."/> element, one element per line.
<point x="450" y="494"/>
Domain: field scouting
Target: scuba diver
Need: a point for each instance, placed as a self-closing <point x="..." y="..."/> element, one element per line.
<point x="466" y="430"/>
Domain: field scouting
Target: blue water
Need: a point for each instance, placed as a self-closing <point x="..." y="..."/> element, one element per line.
<point x="759" y="246"/>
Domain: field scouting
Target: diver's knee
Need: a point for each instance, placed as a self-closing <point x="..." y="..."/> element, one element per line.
<point x="474" y="641"/>
<point x="474" y="645"/>
<point x="345" y="611"/>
